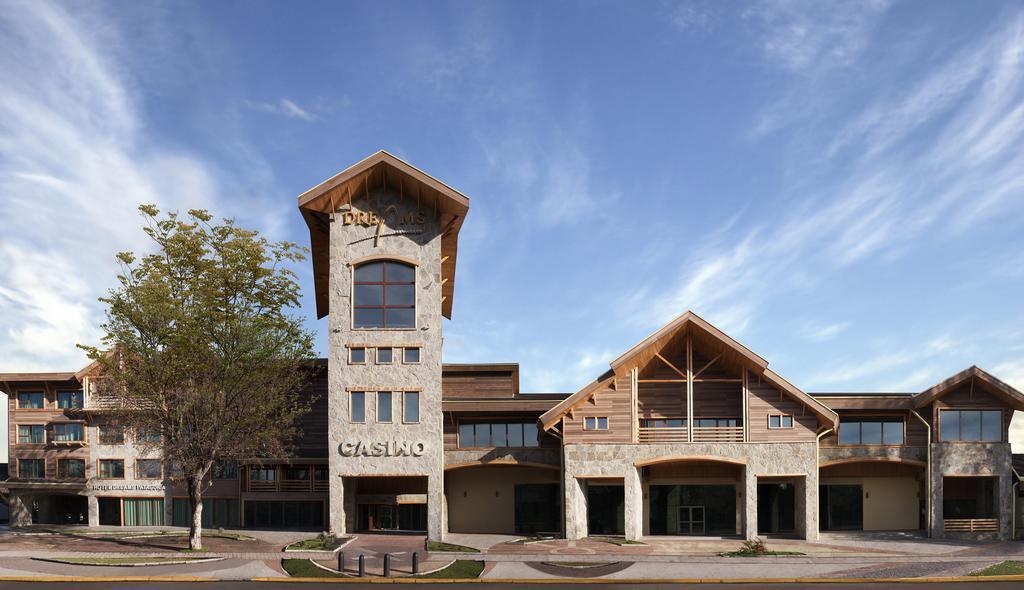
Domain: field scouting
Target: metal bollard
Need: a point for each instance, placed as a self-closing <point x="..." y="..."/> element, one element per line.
<point x="387" y="564"/>
<point x="362" y="565"/>
<point x="341" y="562"/>
<point x="415" y="562"/>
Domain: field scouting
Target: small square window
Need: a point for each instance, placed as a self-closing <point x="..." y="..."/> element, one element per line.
<point x="111" y="469"/>
<point x="357" y="355"/>
<point x="411" y="355"/>
<point x="148" y="469"/>
<point x="31" y="400"/>
<point x="787" y="422"/>
<point x="385" y="355"/>
<point x="595" y="423"/>
<point x="780" y="421"/>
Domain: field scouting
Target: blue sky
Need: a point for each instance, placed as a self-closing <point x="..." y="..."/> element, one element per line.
<point x="838" y="185"/>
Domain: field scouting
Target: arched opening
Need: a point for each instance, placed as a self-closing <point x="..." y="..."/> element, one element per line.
<point x="507" y="498"/>
<point x="872" y="495"/>
<point x="692" y="496"/>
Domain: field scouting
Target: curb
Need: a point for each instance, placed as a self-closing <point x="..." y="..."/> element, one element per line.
<point x="63" y="561"/>
<point x="922" y="580"/>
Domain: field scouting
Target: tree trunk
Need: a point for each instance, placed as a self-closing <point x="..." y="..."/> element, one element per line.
<point x="195" y="497"/>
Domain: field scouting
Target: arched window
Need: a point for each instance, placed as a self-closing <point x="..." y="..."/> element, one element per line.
<point x="385" y="295"/>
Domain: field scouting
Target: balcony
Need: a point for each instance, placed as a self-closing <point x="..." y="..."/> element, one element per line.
<point x="289" y="479"/>
<point x="680" y="434"/>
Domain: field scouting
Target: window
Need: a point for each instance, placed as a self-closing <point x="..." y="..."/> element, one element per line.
<point x="595" y="423"/>
<point x="225" y="470"/>
<point x="411" y="406"/>
<point x="30" y="434"/>
<point x="148" y="435"/>
<point x="262" y="474"/>
<point x="385" y="355"/>
<point x="357" y="406"/>
<point x="411" y="355"/>
<point x="31" y="468"/>
<point x="871" y="430"/>
<point x="31" y="400"/>
<point x="971" y="425"/>
<point x="384" y="295"/>
<point x="297" y="473"/>
<point x="71" y="469"/>
<point x="111" y="434"/>
<point x="148" y="469"/>
<point x="357" y="355"/>
<point x="383" y="406"/>
<point x="780" y="421"/>
<point x="70" y="400"/>
<point x="715" y="422"/>
<point x="505" y="434"/>
<point x="68" y="432"/>
<point x="663" y="422"/>
<point x="111" y="469"/>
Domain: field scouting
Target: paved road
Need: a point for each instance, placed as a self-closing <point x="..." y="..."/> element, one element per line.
<point x="310" y="586"/>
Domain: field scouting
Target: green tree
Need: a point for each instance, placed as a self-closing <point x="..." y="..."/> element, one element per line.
<point x="200" y="347"/>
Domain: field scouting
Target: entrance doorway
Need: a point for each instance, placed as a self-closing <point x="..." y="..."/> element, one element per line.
<point x="110" y="511"/>
<point x="691" y="520"/>
<point x="606" y="509"/>
<point x="776" y="507"/>
<point x="537" y="508"/>
<point x="841" y="507"/>
<point x="393" y="517"/>
<point x="692" y="510"/>
<point x="60" y="509"/>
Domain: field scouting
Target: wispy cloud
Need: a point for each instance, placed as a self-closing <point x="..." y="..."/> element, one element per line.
<point x="824" y="332"/>
<point x="284" y="107"/>
<point x="75" y="161"/>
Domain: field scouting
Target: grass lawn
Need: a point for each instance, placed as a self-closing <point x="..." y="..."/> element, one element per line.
<point x="318" y="543"/>
<point x="450" y="547"/>
<point x="123" y="560"/>
<point x="304" y="568"/>
<point x="462" y="568"/>
<point x="1007" y="568"/>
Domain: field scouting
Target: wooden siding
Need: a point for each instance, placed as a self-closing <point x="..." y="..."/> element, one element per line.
<point x="611" y="403"/>
<point x="661" y="400"/>
<point x="478" y="384"/>
<point x="312" y="443"/>
<point x="717" y="400"/>
<point x="764" y="400"/>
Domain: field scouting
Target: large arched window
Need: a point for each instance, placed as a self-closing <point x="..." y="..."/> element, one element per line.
<point x="385" y="295"/>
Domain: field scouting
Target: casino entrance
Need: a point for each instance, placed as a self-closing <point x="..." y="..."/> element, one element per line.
<point x="390" y="504"/>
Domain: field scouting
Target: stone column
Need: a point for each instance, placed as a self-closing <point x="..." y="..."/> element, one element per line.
<point x="94" y="510"/>
<point x="634" y="504"/>
<point x="168" y="506"/>
<point x="1004" y="495"/>
<point x="750" y="501"/>
<point x="575" y="508"/>
<point x="938" y="527"/>
<point x="337" y="506"/>
<point x="20" y="510"/>
<point x="435" y="509"/>
<point x="803" y="508"/>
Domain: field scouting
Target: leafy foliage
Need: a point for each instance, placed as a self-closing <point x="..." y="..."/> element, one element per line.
<point x="199" y="346"/>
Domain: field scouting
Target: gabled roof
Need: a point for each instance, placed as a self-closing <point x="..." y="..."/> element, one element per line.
<point x="646" y="349"/>
<point x="1012" y="396"/>
<point x="382" y="169"/>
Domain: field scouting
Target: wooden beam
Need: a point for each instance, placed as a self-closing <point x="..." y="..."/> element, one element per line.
<point x="661" y="380"/>
<point x="711" y="362"/>
<point x="671" y="366"/>
<point x="689" y="388"/>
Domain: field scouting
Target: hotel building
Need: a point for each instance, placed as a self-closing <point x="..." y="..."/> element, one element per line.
<point x="688" y="433"/>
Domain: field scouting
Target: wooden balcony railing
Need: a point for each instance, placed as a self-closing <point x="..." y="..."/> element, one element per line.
<point x="262" y="486"/>
<point x="321" y="485"/>
<point x="315" y="481"/>
<point x="971" y="525"/>
<point x="718" y="434"/>
<point x="679" y="434"/>
<point x="675" y="434"/>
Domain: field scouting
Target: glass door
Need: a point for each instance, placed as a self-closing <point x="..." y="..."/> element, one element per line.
<point x="385" y="517"/>
<point x="691" y="520"/>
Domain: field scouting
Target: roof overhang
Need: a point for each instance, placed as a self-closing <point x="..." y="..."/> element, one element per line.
<point x="990" y="383"/>
<point x="319" y="203"/>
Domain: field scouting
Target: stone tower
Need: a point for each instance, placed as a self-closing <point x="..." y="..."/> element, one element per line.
<point x="384" y="238"/>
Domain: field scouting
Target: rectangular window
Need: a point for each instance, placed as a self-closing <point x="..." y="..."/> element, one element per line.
<point x="68" y="432"/>
<point x="357" y="355"/>
<point x="383" y="406"/>
<point x="411" y="406"/>
<point x="225" y="470"/>
<point x="357" y="406"/>
<point x="148" y="469"/>
<point x="71" y="469"/>
<point x="971" y="425"/>
<point x="499" y="435"/>
<point x="30" y="434"/>
<point x="715" y="422"/>
<point x="111" y="469"/>
<point x="31" y="468"/>
<point x="111" y="434"/>
<point x="411" y="355"/>
<point x="595" y="423"/>
<point x="871" y="430"/>
<point x="385" y="355"/>
<point x="780" y="421"/>
<point x="31" y="400"/>
<point x="70" y="400"/>
<point x="663" y="422"/>
<point x="504" y="434"/>
<point x="262" y="474"/>
<point x="148" y="435"/>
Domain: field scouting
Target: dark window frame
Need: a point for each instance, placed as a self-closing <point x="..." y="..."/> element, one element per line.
<point x="473" y="424"/>
<point x="385" y="286"/>
<point x="61" y="471"/>
<point x="77" y="395"/>
<point x="881" y="420"/>
<point x="981" y="424"/>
